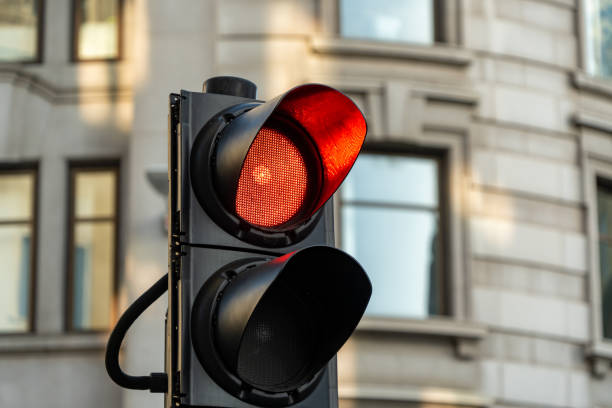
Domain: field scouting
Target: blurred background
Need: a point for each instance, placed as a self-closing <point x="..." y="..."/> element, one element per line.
<point x="481" y="206"/>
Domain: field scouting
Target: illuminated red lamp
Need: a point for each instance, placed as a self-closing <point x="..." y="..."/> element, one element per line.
<point x="275" y="183"/>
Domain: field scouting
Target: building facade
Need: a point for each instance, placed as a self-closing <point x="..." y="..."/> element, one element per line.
<point x="480" y="205"/>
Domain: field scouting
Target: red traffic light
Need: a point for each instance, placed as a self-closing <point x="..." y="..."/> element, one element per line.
<point x="273" y="165"/>
<point x="244" y="328"/>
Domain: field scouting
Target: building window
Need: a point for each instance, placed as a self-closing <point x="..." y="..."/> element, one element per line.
<point x="17" y="247"/>
<point x="390" y="221"/>
<point x="93" y="245"/>
<point x="97" y="29"/>
<point x="389" y="20"/>
<point x="20" y="30"/>
<point x="598" y="28"/>
<point x="604" y="217"/>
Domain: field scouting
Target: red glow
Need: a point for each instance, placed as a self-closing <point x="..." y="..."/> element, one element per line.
<point x="273" y="180"/>
<point x="335" y="125"/>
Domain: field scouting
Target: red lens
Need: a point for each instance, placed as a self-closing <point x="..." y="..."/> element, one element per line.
<point x="273" y="180"/>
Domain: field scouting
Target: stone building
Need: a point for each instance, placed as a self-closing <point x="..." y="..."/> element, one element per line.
<point x="480" y="207"/>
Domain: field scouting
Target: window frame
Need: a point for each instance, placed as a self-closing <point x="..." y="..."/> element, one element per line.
<point x="74" y="167"/>
<point x="446" y="23"/>
<point x="443" y="271"/>
<point x="28" y="168"/>
<point x="602" y="183"/>
<point x="451" y="135"/>
<point x="598" y="172"/>
<point x="74" y="33"/>
<point x="40" y="39"/>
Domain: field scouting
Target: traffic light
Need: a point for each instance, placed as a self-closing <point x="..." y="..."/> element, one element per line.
<point x="264" y="303"/>
<point x="258" y="303"/>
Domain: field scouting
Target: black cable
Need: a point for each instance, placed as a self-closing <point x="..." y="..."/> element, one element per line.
<point x="235" y="249"/>
<point x="156" y="382"/>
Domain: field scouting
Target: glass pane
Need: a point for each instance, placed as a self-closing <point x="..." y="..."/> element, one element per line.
<point x="605" y="267"/>
<point x="398" y="249"/>
<point x="16" y="192"/>
<point x="604" y="210"/>
<point x="15" y="277"/>
<point x="18" y="30"/>
<point x="393" y="179"/>
<point x="98" y="29"/>
<point x="93" y="275"/>
<point x="388" y="20"/>
<point x="95" y="193"/>
<point x="598" y="16"/>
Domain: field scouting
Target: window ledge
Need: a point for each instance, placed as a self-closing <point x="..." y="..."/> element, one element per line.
<point x="465" y="334"/>
<point x="61" y="94"/>
<point x="432" y="327"/>
<point x="425" y="395"/>
<point x="47" y="343"/>
<point x="439" y="54"/>
<point x="590" y="121"/>
<point x="570" y="4"/>
<point x="592" y="84"/>
<point x="600" y="354"/>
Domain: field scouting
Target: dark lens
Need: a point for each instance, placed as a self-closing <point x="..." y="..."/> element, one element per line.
<point x="277" y="349"/>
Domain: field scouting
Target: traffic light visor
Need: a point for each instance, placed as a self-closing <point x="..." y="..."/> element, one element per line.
<point x="334" y="124"/>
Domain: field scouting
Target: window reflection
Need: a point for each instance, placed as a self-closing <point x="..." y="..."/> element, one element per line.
<point x="390" y="222"/>
<point x="93" y="274"/>
<point x="93" y="233"/>
<point x="16" y="231"/>
<point x="419" y="173"/>
<point x="388" y="20"/>
<point x="598" y="16"/>
<point x="19" y="30"/>
<point x="95" y="193"/>
<point x="16" y="192"/>
<point x="97" y="29"/>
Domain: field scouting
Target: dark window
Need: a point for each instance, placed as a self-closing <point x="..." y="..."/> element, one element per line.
<point x="20" y="30"/>
<point x="391" y="218"/>
<point x="390" y="20"/>
<point x="97" y="29"/>
<point x="93" y="245"/>
<point x="17" y="247"/>
<point x="604" y="217"/>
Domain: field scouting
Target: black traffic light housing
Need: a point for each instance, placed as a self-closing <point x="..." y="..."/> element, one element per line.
<point x="258" y="303"/>
<point x="255" y="329"/>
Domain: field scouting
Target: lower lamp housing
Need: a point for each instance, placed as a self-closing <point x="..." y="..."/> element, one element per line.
<point x="265" y="329"/>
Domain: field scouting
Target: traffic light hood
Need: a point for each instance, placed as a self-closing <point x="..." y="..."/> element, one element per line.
<point x="275" y="164"/>
<point x="277" y="323"/>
